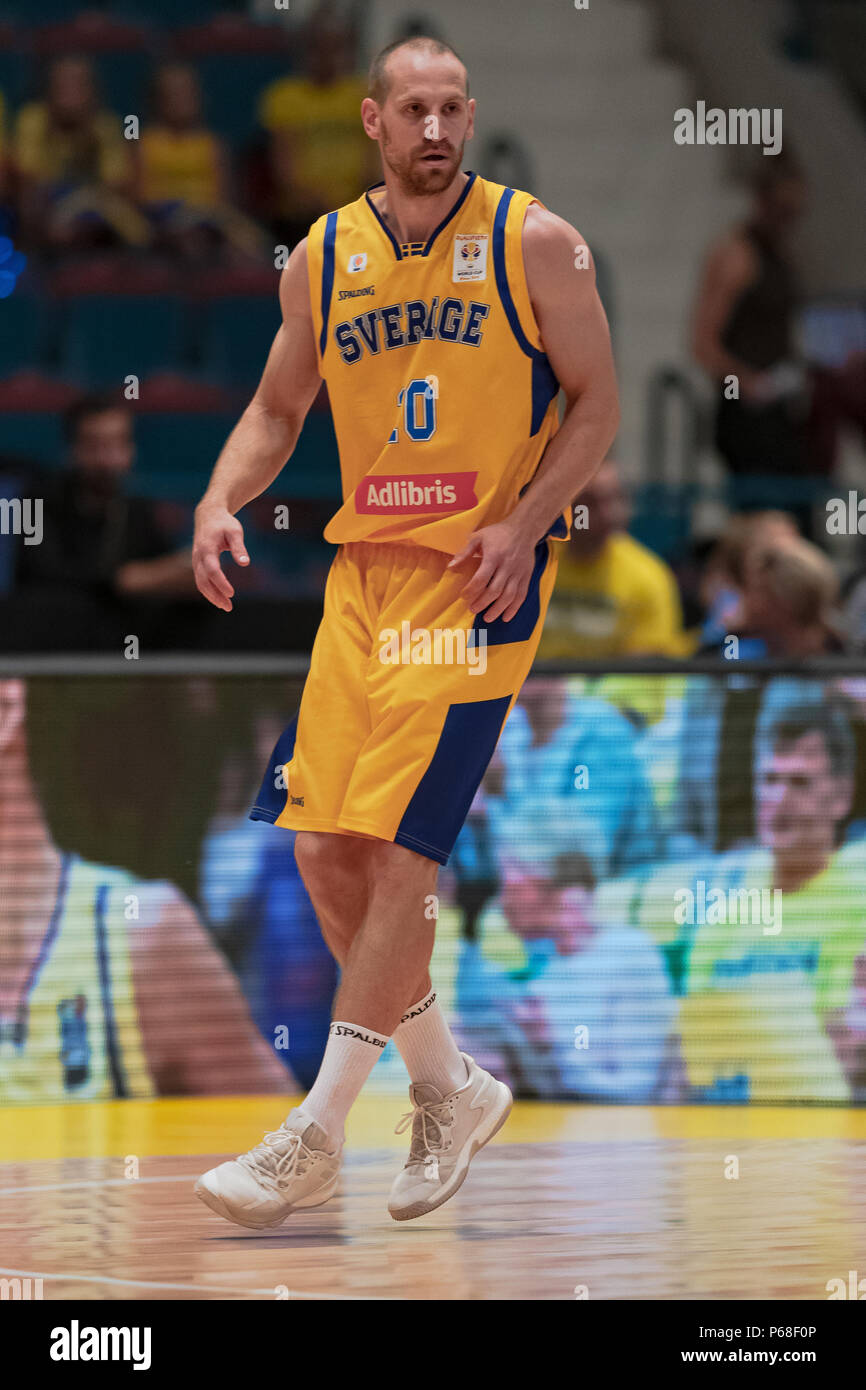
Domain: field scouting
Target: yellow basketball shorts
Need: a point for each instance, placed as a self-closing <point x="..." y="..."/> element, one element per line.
<point x="406" y="696"/>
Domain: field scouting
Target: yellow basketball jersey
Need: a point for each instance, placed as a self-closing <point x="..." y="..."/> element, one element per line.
<point x="442" y="395"/>
<point x="75" y="1034"/>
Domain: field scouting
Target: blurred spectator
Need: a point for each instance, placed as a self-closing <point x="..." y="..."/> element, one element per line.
<point x="599" y="998"/>
<point x="95" y="538"/>
<point x="181" y="174"/>
<point x="613" y="596"/>
<point x="566" y="776"/>
<point x="722" y="580"/>
<point x="787" y="601"/>
<point x="320" y="158"/>
<point x="743" y="328"/>
<point x="773" y="962"/>
<point x="73" y="165"/>
<point x="855" y="614"/>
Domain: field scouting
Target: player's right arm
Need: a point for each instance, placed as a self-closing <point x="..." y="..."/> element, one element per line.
<point x="264" y="437"/>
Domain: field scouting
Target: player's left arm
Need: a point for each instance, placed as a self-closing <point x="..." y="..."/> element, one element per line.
<point x="574" y="332"/>
<point x="199" y="1038"/>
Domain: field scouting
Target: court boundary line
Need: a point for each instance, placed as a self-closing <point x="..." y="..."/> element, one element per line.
<point x="190" y="1288"/>
<point x="90" y="1182"/>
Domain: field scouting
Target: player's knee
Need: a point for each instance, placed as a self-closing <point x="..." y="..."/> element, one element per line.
<point x="324" y="859"/>
<point x="402" y="865"/>
<point x="311" y="853"/>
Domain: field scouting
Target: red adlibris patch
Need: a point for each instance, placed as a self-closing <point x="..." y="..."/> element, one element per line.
<point x="414" y="493"/>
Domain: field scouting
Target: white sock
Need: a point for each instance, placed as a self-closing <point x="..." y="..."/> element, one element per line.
<point x="350" y="1056"/>
<point x="427" y="1047"/>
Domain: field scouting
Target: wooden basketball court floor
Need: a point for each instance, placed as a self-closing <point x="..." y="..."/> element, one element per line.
<point x="568" y="1201"/>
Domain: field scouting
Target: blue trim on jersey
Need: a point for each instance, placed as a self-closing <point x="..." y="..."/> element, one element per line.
<point x="111" y="1047"/>
<point x="398" y="250"/>
<point x="44" y="950"/>
<point x="385" y="228"/>
<point x="271" y="801"/>
<point x="454" y="211"/>
<point x="525" y="620"/>
<point x="440" y="803"/>
<point x="327" y="276"/>
<point x="544" y="383"/>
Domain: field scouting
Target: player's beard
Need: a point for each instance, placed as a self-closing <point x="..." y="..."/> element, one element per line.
<point x="415" y="178"/>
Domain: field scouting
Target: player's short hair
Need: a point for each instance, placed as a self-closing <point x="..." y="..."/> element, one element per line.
<point x="378" y="84"/>
<point x="85" y="407"/>
<point x="825" y="717"/>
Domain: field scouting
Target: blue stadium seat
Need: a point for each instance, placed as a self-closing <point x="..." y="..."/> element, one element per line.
<point x="22" y="332"/>
<point x="15" y="68"/>
<point x="175" y="453"/>
<point x="33" y="435"/>
<point x="314" y="470"/>
<point x="167" y="14"/>
<point x="238" y="332"/>
<point x="231" y="87"/>
<point x="123" y="82"/>
<point x="104" y="338"/>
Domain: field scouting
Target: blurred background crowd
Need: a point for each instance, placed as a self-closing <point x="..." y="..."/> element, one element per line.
<point x="157" y="162"/>
<point x="657" y="896"/>
<point x="156" y="165"/>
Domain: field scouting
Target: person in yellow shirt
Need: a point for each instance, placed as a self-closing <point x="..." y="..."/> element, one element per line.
<point x="73" y="164"/>
<point x="110" y="985"/>
<point x="181" y="178"/>
<point x="772" y="968"/>
<point x="319" y="156"/>
<point x="613" y="596"/>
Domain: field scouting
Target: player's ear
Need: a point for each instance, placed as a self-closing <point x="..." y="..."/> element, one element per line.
<point x="470" y="129"/>
<point x="370" y="117"/>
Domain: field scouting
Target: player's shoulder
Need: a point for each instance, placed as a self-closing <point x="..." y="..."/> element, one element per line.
<point x="546" y="233"/>
<point x="343" y="217"/>
<point x="552" y="250"/>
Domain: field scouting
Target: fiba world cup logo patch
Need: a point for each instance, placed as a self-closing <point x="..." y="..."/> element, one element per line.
<point x="470" y="257"/>
<point x="74" y="1044"/>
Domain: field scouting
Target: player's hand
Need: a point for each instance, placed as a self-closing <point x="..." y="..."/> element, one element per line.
<point x="216" y="530"/>
<point x="501" y="581"/>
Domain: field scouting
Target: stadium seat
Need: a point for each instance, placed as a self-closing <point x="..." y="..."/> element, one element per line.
<point x="122" y="51"/>
<point x="118" y="318"/>
<point x="108" y="337"/>
<point x="236" y="59"/>
<point x="176" y="452"/>
<point x="238" y="314"/>
<point x="22" y="331"/>
<point x="31" y="409"/>
<point x="15" y="67"/>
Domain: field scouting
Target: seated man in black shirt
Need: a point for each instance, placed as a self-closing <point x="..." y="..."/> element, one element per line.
<point x="95" y="539"/>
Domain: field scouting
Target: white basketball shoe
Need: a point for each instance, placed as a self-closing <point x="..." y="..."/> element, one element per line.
<point x="289" y="1170"/>
<point x="447" y="1132"/>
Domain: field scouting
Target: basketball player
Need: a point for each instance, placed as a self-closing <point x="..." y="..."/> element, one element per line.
<point x="444" y="312"/>
<point x="109" y="984"/>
